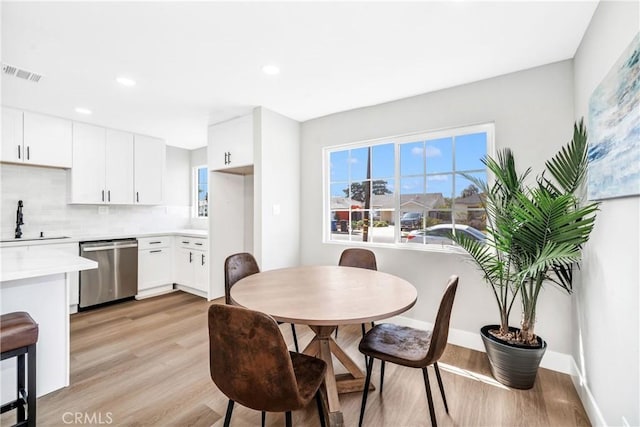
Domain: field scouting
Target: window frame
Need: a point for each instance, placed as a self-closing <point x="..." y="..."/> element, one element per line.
<point x="194" y="193"/>
<point x="486" y="127"/>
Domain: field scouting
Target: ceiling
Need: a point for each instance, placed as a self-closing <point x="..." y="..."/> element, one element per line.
<point x="197" y="63"/>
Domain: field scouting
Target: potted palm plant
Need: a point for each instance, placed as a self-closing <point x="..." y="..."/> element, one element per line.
<point x="535" y="235"/>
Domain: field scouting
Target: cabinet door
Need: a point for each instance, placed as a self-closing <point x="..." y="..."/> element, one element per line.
<point x="88" y="173"/>
<point x="12" y="150"/>
<point x="47" y="140"/>
<point x="230" y="144"/>
<point x="184" y="259"/>
<point x="154" y="268"/>
<point x="201" y="271"/>
<point x="149" y="155"/>
<point x="119" y="167"/>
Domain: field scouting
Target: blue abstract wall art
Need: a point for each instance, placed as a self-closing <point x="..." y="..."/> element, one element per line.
<point x="614" y="129"/>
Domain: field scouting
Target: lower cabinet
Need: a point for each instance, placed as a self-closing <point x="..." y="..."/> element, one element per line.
<point x="191" y="265"/>
<point x="154" y="265"/>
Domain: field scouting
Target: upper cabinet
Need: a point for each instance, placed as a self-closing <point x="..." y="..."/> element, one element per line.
<point x="35" y="139"/>
<point x="230" y="145"/>
<point x="149" y="158"/>
<point x="103" y="166"/>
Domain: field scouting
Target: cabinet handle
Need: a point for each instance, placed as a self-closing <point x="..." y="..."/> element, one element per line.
<point x="18" y="151"/>
<point x="198" y="244"/>
<point x="156" y="251"/>
<point x="109" y="195"/>
<point x="154" y="243"/>
<point x="27" y="152"/>
<point x="229" y="157"/>
<point x="137" y="197"/>
<point x="186" y="243"/>
<point x="103" y="195"/>
<point x="202" y="259"/>
<point x="225" y="157"/>
<point x="190" y="257"/>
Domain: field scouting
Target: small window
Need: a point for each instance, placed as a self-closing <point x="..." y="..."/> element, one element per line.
<point x="201" y="196"/>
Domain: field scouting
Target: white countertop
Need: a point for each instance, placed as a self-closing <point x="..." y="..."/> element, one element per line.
<point x="24" y="265"/>
<point x="103" y="236"/>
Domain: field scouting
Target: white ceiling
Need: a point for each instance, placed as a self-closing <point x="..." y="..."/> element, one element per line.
<point x="197" y="63"/>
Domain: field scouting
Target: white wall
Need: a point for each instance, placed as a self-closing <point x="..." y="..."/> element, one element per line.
<point x="606" y="348"/>
<point x="277" y="189"/>
<point x="44" y="193"/>
<point x="533" y="114"/>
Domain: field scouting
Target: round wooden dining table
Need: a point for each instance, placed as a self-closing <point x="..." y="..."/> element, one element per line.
<point x="324" y="297"/>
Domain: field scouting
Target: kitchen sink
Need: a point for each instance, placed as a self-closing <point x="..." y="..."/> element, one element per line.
<point x="35" y="239"/>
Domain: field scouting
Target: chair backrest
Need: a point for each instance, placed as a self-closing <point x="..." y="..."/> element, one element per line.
<point x="356" y="257"/>
<point x="236" y="267"/>
<point x="440" y="332"/>
<point x="249" y="360"/>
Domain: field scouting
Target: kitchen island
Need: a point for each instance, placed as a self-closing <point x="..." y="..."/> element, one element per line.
<point x="38" y="283"/>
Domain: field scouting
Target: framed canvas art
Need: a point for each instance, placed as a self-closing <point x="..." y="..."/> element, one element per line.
<point x="614" y="129"/>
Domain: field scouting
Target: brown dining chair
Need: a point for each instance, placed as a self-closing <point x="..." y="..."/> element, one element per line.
<point x="250" y="363"/>
<point x="238" y="266"/>
<point x="410" y="347"/>
<point x="360" y="258"/>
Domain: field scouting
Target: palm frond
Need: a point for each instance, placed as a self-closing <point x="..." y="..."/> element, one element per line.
<point x="569" y="166"/>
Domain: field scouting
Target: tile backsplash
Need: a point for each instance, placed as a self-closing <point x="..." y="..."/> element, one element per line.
<point x="44" y="193"/>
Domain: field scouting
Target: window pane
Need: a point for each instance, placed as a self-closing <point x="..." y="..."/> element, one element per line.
<point x="412" y="158"/>
<point x="203" y="192"/>
<point x="358" y="160"/>
<point x="466" y="189"/>
<point x="440" y="184"/>
<point x="411" y="186"/>
<point x="339" y="225"/>
<point x="383" y="161"/>
<point x="382" y="196"/>
<point x="470" y="149"/>
<point x="339" y="196"/>
<point x="473" y="218"/>
<point x="339" y="165"/>
<point x="439" y="153"/>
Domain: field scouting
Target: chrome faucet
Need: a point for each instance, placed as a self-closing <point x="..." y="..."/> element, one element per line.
<point x="19" y="220"/>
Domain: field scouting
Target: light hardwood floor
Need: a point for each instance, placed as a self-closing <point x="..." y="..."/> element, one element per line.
<point x="146" y="363"/>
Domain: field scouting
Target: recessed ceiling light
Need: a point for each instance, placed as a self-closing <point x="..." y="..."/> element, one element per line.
<point x="272" y="70"/>
<point x="81" y="110"/>
<point x="125" y="81"/>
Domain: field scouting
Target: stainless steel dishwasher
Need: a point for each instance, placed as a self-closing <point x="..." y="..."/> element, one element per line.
<point x="116" y="276"/>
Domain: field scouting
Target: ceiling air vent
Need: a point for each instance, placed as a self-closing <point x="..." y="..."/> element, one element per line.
<point x="20" y="73"/>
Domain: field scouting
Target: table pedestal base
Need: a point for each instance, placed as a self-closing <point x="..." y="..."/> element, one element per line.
<point x="323" y="346"/>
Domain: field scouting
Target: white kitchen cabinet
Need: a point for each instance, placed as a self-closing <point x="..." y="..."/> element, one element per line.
<point x="35" y="139"/>
<point x="192" y="265"/>
<point x="149" y="164"/>
<point x="103" y="166"/>
<point x="47" y="140"/>
<point x="12" y="124"/>
<point x="230" y="144"/>
<point x="155" y="273"/>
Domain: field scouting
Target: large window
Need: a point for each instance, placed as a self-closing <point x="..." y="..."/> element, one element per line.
<point x="411" y="189"/>
<point x="201" y="196"/>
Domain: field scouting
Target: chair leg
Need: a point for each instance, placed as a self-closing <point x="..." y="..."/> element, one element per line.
<point x="444" y="399"/>
<point x="287" y="419"/>
<point x="364" y="331"/>
<point x="320" y="409"/>
<point x="295" y="337"/>
<point x="31" y="385"/>
<point x="20" y="387"/>
<point x="366" y="390"/>
<point x="263" y="418"/>
<point x="227" y="417"/>
<point x="381" y="376"/>
<point x="429" y="398"/>
<point x="335" y="337"/>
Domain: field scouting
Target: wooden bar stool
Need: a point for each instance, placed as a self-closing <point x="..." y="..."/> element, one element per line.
<point x="18" y="336"/>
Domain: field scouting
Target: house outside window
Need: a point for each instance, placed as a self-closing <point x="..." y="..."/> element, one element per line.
<point x="407" y="190"/>
<point x="201" y="196"/>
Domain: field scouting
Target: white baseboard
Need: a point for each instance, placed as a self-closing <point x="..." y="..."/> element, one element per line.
<point x="553" y="360"/>
<point x="588" y="401"/>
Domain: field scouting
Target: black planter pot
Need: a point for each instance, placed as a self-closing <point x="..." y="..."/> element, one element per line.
<point x="512" y="365"/>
